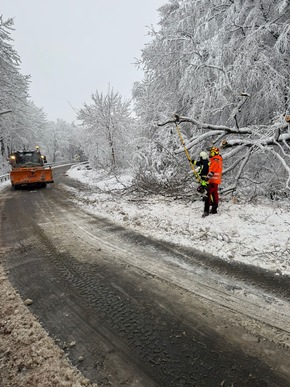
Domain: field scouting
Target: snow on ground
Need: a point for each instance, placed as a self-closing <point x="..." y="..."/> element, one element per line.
<point x="253" y="233"/>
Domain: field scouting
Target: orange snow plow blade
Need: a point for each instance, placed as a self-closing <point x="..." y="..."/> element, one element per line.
<point x="26" y="176"/>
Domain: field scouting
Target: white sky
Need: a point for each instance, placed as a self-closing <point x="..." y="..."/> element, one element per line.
<point x="71" y="48"/>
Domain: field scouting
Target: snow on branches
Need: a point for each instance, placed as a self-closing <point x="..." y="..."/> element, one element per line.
<point x="243" y="149"/>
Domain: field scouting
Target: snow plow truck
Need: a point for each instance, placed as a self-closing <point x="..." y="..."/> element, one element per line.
<point x="28" y="169"/>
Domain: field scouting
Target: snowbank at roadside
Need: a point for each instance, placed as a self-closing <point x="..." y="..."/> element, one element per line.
<point x="256" y="234"/>
<point x="29" y="357"/>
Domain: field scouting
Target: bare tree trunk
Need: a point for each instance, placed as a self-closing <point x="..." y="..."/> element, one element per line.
<point x="112" y="149"/>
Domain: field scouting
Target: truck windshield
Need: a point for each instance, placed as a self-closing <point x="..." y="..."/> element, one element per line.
<point x="28" y="158"/>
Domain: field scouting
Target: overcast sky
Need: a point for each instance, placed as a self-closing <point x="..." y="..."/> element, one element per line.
<point x="71" y="48"/>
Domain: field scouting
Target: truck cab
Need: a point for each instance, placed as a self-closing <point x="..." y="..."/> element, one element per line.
<point x="28" y="169"/>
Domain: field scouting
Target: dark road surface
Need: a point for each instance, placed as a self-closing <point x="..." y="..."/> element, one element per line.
<point x="140" y="312"/>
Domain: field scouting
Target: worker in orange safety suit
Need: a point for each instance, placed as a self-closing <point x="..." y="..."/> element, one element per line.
<point x="214" y="178"/>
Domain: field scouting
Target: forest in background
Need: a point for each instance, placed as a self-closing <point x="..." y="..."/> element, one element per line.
<point x="221" y="65"/>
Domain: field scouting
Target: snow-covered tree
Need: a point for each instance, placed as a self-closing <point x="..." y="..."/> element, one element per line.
<point x="107" y="130"/>
<point x="224" y="66"/>
<point x="19" y="129"/>
<point x="60" y="141"/>
<point x="207" y="52"/>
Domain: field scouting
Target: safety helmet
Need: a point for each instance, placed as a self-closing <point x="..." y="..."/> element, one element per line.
<point x="214" y="151"/>
<point x="203" y="155"/>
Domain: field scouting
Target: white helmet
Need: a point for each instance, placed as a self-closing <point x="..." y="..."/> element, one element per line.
<point x="203" y="155"/>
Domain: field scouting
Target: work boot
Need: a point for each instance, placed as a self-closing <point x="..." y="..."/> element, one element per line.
<point x="205" y="214"/>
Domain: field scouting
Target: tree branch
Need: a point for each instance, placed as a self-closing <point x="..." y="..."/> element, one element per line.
<point x="287" y="168"/>
<point x="234" y="185"/>
<point x="203" y="125"/>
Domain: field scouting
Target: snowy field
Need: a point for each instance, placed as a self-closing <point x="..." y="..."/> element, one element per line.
<point x="253" y="233"/>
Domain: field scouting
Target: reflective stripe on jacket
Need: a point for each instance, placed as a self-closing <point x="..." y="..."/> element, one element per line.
<point x="215" y="169"/>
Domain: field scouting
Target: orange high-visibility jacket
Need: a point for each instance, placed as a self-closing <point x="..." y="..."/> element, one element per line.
<point x="215" y="169"/>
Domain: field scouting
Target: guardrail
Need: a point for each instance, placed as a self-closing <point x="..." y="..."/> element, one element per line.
<point x="64" y="163"/>
<point x="4" y="177"/>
